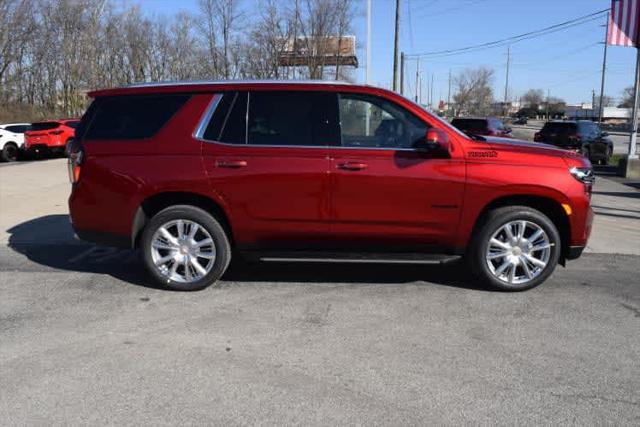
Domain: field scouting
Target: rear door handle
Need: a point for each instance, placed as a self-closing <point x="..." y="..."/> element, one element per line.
<point x="232" y="164"/>
<point x="352" y="166"/>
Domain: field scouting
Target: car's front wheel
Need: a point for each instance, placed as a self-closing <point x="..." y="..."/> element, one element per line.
<point x="185" y="248"/>
<point x="515" y="248"/>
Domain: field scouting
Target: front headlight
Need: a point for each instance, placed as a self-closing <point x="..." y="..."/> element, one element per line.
<point x="584" y="175"/>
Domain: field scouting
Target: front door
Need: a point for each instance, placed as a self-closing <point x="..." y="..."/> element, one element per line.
<point x="384" y="192"/>
<point x="266" y="156"/>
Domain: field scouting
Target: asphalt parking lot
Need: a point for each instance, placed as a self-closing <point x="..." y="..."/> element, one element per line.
<point x="85" y="340"/>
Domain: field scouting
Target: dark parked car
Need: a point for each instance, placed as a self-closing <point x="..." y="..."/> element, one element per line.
<point x="583" y="136"/>
<point x="520" y="120"/>
<point x="483" y="127"/>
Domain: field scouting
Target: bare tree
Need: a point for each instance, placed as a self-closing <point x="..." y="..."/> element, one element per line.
<point x="627" y="98"/>
<point x="53" y="51"/>
<point x="533" y="98"/>
<point x="474" y="94"/>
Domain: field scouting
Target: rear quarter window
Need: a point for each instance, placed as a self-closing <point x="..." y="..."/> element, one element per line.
<point x="131" y="116"/>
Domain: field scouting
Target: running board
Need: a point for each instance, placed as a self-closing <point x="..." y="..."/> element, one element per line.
<point x="363" y="258"/>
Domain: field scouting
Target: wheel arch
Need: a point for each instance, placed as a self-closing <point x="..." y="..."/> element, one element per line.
<point x="157" y="202"/>
<point x="547" y="205"/>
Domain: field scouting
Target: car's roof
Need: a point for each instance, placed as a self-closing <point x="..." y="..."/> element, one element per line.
<point x="471" y="118"/>
<point x="3" y="125"/>
<point x="212" y="85"/>
<point x="566" y="121"/>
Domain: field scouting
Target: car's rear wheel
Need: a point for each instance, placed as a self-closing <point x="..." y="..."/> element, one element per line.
<point x="10" y="152"/>
<point x="185" y="248"/>
<point x="515" y="248"/>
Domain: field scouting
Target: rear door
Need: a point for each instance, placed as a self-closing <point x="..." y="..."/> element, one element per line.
<point x="266" y="156"/>
<point x="384" y="192"/>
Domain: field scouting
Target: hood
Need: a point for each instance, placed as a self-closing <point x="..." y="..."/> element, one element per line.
<point x="519" y="147"/>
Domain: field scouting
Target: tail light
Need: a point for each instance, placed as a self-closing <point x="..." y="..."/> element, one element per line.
<point x="537" y="136"/>
<point x="74" y="164"/>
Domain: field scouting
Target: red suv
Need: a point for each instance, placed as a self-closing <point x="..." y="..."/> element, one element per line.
<point x="317" y="172"/>
<point x="52" y="136"/>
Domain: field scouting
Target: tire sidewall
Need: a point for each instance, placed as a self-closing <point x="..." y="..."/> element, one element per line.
<point x="6" y="150"/>
<point x="496" y="220"/>
<point x="204" y="219"/>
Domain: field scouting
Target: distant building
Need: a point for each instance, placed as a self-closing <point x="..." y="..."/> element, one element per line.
<point x="586" y="112"/>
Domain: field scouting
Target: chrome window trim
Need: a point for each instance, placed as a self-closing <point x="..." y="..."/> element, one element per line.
<point x="206" y="117"/>
<point x="240" y="81"/>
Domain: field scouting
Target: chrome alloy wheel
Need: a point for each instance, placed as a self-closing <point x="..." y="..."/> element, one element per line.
<point x="183" y="251"/>
<point x="518" y="252"/>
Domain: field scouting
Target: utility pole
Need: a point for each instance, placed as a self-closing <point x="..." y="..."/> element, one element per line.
<point x="431" y="93"/>
<point x="547" y="106"/>
<point x="368" y="63"/>
<point x="449" y="93"/>
<point x="604" y="69"/>
<point x="593" y="103"/>
<point x="395" y="47"/>
<point x="633" y="155"/>
<point x="506" y="84"/>
<point x="417" y="77"/>
<point x="402" y="59"/>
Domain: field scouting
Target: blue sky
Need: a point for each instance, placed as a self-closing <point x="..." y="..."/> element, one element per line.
<point x="566" y="63"/>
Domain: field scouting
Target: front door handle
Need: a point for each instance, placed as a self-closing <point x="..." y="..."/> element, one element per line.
<point x="233" y="164"/>
<point x="352" y="166"/>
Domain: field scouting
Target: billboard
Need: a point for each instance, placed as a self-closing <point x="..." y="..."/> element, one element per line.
<point x="330" y="50"/>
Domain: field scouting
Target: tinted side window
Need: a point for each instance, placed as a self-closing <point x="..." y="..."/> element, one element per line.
<point x="292" y="118"/>
<point x="370" y="121"/>
<point x="132" y="117"/>
<point x="17" y="128"/>
<point x="216" y="123"/>
<point x="235" y="124"/>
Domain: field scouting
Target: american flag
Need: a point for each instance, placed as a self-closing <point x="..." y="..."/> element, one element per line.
<point x="624" y="23"/>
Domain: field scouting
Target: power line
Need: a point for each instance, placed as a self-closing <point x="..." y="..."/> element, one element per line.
<point x="520" y="37"/>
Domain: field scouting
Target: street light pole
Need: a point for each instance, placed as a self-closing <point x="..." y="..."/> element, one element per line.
<point x="604" y="69"/>
<point x="395" y="47"/>
<point x="368" y="63"/>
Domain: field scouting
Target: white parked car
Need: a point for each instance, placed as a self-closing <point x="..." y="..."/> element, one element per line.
<point x="12" y="140"/>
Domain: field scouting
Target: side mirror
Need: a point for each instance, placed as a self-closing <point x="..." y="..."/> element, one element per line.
<point x="435" y="139"/>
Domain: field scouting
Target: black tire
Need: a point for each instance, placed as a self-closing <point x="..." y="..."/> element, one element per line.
<point x="492" y="222"/>
<point x="202" y="218"/>
<point x="10" y="152"/>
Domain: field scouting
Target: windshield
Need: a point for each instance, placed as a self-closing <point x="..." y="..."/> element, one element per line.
<point x="553" y="127"/>
<point x="44" y="126"/>
<point x="440" y="119"/>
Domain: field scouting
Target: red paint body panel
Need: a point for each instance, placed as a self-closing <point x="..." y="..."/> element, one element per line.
<point x="321" y="195"/>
